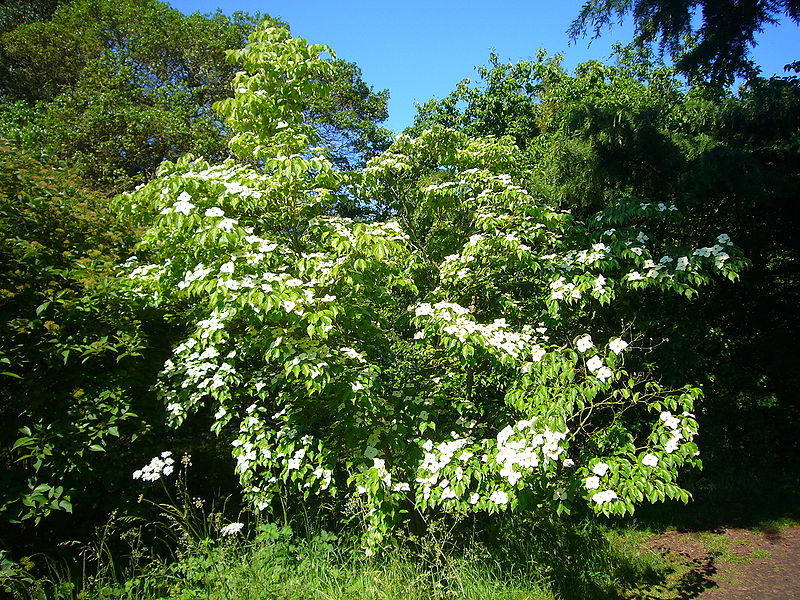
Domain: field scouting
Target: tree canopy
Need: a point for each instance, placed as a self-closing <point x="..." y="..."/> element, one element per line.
<point x="709" y="39"/>
<point x="114" y="88"/>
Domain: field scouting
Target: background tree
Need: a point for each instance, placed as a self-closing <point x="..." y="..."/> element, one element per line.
<point x="114" y="88"/>
<point x="717" y="50"/>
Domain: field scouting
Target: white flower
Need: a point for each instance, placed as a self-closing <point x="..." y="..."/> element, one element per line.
<point x="158" y="466"/>
<point x="584" y="343"/>
<point x="669" y="420"/>
<point x="214" y="211"/>
<point x="592" y="483"/>
<point x="604" y="373"/>
<point x="423" y="310"/>
<point x="604" y="497"/>
<point x="599" y="284"/>
<point x="227" y="224"/>
<point x="401" y="487"/>
<point x="473" y="499"/>
<point x="682" y="263"/>
<point x="499" y="497"/>
<point x="537" y="352"/>
<point x="617" y="345"/>
<point x="231" y="529"/>
<point x="183" y="207"/>
<point x="568" y="462"/>
<point x="594" y="363"/>
<point x="228" y="267"/>
<point x="635" y="276"/>
<point x="600" y="469"/>
<point x="650" y="460"/>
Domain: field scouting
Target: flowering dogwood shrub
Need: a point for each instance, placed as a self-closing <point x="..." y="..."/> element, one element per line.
<point x="455" y="355"/>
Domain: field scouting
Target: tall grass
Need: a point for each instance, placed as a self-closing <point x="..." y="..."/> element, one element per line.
<point x="508" y="558"/>
<point x="177" y="550"/>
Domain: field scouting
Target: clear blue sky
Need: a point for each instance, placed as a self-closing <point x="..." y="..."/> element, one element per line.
<point x="421" y="49"/>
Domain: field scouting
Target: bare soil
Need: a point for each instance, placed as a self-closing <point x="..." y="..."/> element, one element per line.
<point x="728" y="564"/>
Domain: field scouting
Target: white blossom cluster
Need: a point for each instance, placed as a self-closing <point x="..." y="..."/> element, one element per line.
<point x="146" y="271"/>
<point x="604" y="497"/>
<point x="597" y="252"/>
<point x="600" y="370"/>
<point x="561" y="289"/>
<point x="717" y="251"/>
<point x="387" y="162"/>
<point x="661" y="207"/>
<point x="182" y="205"/>
<point x="515" y="448"/>
<point x="158" y="466"/>
<point x="455" y="320"/>
<point x="246" y="452"/>
<point x="519" y="448"/>
<point x="593" y="482"/>
<point x="435" y="460"/>
<point x="258" y="444"/>
<point x="672" y="423"/>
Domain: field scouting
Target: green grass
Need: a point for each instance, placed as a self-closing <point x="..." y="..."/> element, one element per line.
<point x="509" y="558"/>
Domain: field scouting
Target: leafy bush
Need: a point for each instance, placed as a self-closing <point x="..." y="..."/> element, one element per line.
<point x="69" y="341"/>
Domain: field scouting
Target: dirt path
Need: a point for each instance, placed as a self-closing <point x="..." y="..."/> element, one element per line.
<point x="729" y="564"/>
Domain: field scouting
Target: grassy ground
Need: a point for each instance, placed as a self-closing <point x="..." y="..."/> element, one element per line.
<point x="513" y="559"/>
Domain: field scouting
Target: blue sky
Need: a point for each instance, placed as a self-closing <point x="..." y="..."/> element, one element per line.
<point x="420" y="49"/>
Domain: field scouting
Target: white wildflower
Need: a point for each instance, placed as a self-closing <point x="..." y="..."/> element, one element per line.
<point x="231" y="529"/>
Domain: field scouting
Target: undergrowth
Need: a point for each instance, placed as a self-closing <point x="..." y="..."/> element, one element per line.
<point x="509" y="558"/>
